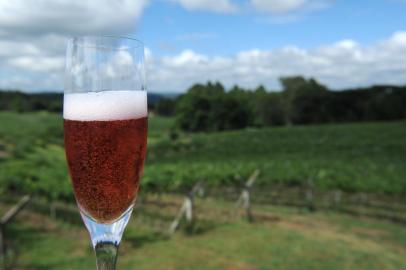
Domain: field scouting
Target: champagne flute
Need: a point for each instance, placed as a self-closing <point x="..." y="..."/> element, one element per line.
<point x="105" y="130"/>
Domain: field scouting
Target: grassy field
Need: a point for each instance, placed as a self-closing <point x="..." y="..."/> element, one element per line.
<point x="366" y="157"/>
<point x="356" y="157"/>
<point x="363" y="157"/>
<point x="290" y="240"/>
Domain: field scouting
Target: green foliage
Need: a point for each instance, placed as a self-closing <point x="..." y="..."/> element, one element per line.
<point x="302" y="101"/>
<point x="22" y="132"/>
<point x="165" y="106"/>
<point x="352" y="157"/>
<point x="159" y="126"/>
<point x="35" y="161"/>
<point x="42" y="172"/>
<point x="22" y="102"/>
<point x="210" y="108"/>
<point x="269" y="109"/>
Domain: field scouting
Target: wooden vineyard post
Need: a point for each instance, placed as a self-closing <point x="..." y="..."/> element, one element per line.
<point x="15" y="210"/>
<point x="7" y="217"/>
<point x="363" y="198"/>
<point x="310" y="195"/>
<point x="244" y="200"/>
<point x="337" y="198"/>
<point x="52" y="210"/>
<point x="187" y="208"/>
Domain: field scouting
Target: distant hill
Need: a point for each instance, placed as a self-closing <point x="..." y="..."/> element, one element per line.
<point x="153" y="98"/>
<point x="25" y="102"/>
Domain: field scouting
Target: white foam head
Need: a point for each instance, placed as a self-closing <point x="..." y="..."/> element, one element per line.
<point x="105" y="106"/>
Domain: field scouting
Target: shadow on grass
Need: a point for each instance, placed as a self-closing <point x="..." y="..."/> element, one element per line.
<point x="66" y="215"/>
<point x="154" y="215"/>
<point x="60" y="264"/>
<point x="16" y="233"/>
<point x="198" y="227"/>
<point x="43" y="246"/>
<point x="139" y="240"/>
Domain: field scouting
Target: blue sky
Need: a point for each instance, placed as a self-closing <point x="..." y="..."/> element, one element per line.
<point x="246" y="42"/>
<point x="164" y="23"/>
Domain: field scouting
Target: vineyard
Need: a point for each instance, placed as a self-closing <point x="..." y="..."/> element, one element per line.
<point x="366" y="157"/>
<point x="344" y="182"/>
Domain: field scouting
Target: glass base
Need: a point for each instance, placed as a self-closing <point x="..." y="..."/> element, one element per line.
<point x="106" y="233"/>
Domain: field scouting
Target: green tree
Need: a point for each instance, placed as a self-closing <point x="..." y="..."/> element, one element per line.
<point x="269" y="109"/>
<point x="209" y="108"/>
<point x="165" y="106"/>
<point x="303" y="100"/>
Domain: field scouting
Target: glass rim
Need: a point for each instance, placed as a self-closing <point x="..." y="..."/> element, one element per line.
<point x="82" y="41"/>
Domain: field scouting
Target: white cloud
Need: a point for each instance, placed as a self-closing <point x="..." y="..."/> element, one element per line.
<point x="12" y="48"/>
<point x="33" y="17"/>
<point x="186" y="57"/>
<point x="398" y="39"/>
<point x="288" y="6"/>
<point x="220" y="6"/>
<point x="38" y="63"/>
<point x="345" y="63"/>
<point x="278" y="6"/>
<point x="33" y="35"/>
<point x="339" y="65"/>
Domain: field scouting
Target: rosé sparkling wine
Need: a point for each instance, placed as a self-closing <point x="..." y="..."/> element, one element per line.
<point x="105" y="141"/>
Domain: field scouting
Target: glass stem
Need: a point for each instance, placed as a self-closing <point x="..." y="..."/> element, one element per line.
<point x="106" y="256"/>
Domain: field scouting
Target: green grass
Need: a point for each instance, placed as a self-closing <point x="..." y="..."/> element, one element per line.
<point x="367" y="157"/>
<point x="21" y="132"/>
<point x="159" y="126"/>
<point x="360" y="157"/>
<point x="293" y="241"/>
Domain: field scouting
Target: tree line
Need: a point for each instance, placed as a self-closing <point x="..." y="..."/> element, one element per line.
<point x="12" y="100"/>
<point x="209" y="107"/>
<point x="24" y="102"/>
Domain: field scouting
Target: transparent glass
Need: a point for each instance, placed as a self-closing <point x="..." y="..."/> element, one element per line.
<point x="105" y="132"/>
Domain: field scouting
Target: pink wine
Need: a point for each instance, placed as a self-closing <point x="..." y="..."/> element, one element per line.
<point x="105" y="158"/>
